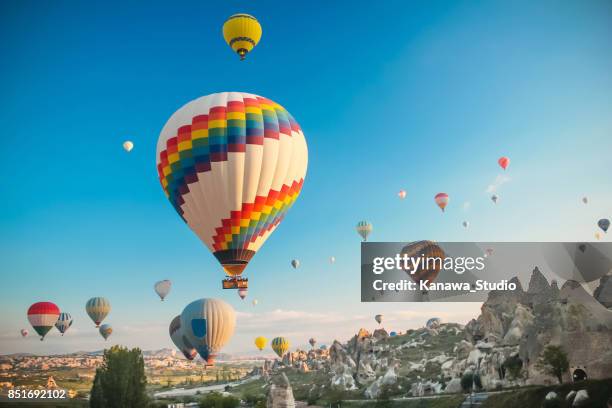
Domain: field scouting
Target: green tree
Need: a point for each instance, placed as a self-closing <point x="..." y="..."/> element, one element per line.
<point x="216" y="400"/>
<point x="469" y="380"/>
<point x="514" y="366"/>
<point x="553" y="361"/>
<point x="120" y="381"/>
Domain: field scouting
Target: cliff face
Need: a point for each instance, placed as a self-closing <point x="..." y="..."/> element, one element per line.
<point x="526" y="321"/>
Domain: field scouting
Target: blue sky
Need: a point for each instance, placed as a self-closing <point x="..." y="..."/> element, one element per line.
<point x="423" y="96"/>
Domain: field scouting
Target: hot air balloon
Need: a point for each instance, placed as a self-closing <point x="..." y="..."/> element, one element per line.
<point x="242" y="292"/>
<point x="312" y="342"/>
<point x="488" y="252"/>
<point x="128" y="146"/>
<point x="295" y="263"/>
<point x="393" y="334"/>
<point x="232" y="164"/>
<point x="179" y="340"/>
<point x="106" y="330"/>
<point x="364" y="228"/>
<point x="255" y="302"/>
<point x="401" y="194"/>
<point x="24" y="333"/>
<point x="604" y="224"/>
<point x="503" y="162"/>
<point x="280" y="345"/>
<point x="433" y="259"/>
<point x="208" y="324"/>
<point x="162" y="288"/>
<point x="433" y="323"/>
<point x="585" y="200"/>
<point x="332" y="259"/>
<point x="242" y="32"/>
<point x="494" y="198"/>
<point x="378" y="318"/>
<point x="42" y="316"/>
<point x="442" y="200"/>
<point x="97" y="308"/>
<point x="466" y="224"/>
<point x="260" y="342"/>
<point x="597" y="236"/>
<point x="63" y="323"/>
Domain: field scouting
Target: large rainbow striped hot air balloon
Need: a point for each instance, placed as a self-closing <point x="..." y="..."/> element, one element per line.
<point x="280" y="345"/>
<point x="97" y="308"/>
<point x="232" y="164"/>
<point x="42" y="316"/>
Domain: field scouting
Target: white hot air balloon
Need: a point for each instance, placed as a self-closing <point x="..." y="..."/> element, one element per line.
<point x="255" y="302"/>
<point x="402" y="194"/>
<point x="162" y="288"/>
<point x="208" y="324"/>
<point x="128" y="146"/>
<point x="332" y="259"/>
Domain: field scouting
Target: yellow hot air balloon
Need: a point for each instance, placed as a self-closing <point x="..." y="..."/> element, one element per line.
<point x="260" y="342"/>
<point x="242" y="32"/>
<point x="280" y="345"/>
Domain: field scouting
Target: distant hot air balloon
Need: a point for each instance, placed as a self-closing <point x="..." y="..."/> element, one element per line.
<point x="97" y="308"/>
<point x="42" y="316"/>
<point x="260" y="342"/>
<point x="24" y="333"/>
<point x="295" y="263"/>
<point x="442" y="200"/>
<point x="503" y="162"/>
<point x="466" y="224"/>
<point x="433" y="323"/>
<point x="433" y="257"/>
<point x="585" y="200"/>
<point x="106" y="330"/>
<point x="494" y="198"/>
<point x="255" y="302"/>
<point x="232" y="164"/>
<point x="332" y="259"/>
<point x="364" y="228"/>
<point x="488" y="252"/>
<point x="402" y="194"/>
<point x="378" y="318"/>
<point x="393" y="334"/>
<point x="242" y="292"/>
<point x="208" y="324"/>
<point x="280" y="345"/>
<point x="162" y="288"/>
<point x="312" y="342"/>
<point x="179" y="340"/>
<point x="63" y="323"/>
<point x="242" y="32"/>
<point x="604" y="224"/>
<point x="128" y="146"/>
<point x="597" y="236"/>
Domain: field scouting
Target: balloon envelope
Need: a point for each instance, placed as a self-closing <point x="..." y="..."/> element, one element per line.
<point x="242" y="292"/>
<point x="128" y="146"/>
<point x="42" y="316"/>
<point x="280" y="345"/>
<point x="295" y="263"/>
<point x="466" y="224"/>
<point x="494" y="198"/>
<point x="242" y="33"/>
<point x="97" y="309"/>
<point x="332" y="259"/>
<point x="24" y="333"/>
<point x="433" y="257"/>
<point x="442" y="200"/>
<point x="232" y="164"/>
<point x="585" y="200"/>
<point x="208" y="324"/>
<point x="604" y="224"/>
<point x="364" y="228"/>
<point x="312" y="342"/>
<point x="433" y="323"/>
<point x="255" y="302"/>
<point x="162" y="288"/>
<point x="179" y="340"/>
<point x="64" y="321"/>
<point x="402" y="194"/>
<point x="378" y="318"/>
<point x="106" y="330"/>
<point x="503" y="162"/>
<point x="260" y="342"/>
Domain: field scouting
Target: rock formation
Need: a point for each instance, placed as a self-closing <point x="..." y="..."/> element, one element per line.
<point x="280" y="394"/>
